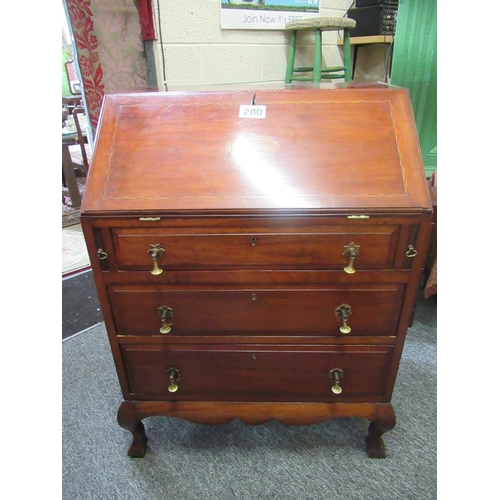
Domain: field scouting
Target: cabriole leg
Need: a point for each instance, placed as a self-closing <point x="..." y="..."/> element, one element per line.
<point x="384" y="421"/>
<point x="128" y="419"/>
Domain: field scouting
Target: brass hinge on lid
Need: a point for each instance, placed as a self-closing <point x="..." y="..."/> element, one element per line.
<point x="358" y="216"/>
<point x="149" y="219"/>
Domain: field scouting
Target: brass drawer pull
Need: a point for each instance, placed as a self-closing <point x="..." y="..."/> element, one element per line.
<point x="352" y="251"/>
<point x="411" y="251"/>
<point x="101" y="254"/>
<point x="165" y="313"/>
<point x="156" y="253"/>
<point x="343" y="312"/>
<point x="335" y="375"/>
<point x="174" y="375"/>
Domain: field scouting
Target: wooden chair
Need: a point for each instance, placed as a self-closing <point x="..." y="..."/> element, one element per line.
<point x="75" y="159"/>
<point x="81" y="153"/>
<point x="319" y="24"/>
<point x="72" y="102"/>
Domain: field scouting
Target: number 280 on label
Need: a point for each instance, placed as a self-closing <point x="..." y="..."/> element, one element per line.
<point x="252" y="111"/>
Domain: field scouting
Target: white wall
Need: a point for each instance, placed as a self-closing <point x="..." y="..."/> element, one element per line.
<point x="198" y="52"/>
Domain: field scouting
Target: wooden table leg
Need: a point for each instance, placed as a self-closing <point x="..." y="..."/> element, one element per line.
<point x="69" y="174"/>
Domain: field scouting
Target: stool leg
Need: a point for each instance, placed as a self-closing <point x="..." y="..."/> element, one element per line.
<point x="317" y="57"/>
<point x="291" y="57"/>
<point x="347" y="56"/>
<point x="354" y="59"/>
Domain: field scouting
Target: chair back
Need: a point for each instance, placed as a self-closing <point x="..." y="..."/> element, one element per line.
<point x="81" y="137"/>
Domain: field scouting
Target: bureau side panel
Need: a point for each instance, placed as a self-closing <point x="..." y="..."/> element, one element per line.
<point x="95" y="238"/>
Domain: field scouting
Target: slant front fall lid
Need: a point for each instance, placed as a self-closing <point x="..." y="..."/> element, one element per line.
<point x="296" y="149"/>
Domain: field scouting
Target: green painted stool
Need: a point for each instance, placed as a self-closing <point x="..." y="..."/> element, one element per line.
<point x="320" y="24"/>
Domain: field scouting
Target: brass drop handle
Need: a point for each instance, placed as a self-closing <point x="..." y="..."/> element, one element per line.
<point x="165" y="313"/>
<point x="343" y="312"/>
<point x="101" y="254"/>
<point x="335" y="375"/>
<point x="174" y="375"/>
<point x="352" y="251"/>
<point x="411" y="251"/>
<point x="156" y="252"/>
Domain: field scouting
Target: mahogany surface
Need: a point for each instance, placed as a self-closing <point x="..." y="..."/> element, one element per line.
<point x="315" y="150"/>
<point x="292" y="311"/>
<point x="253" y="217"/>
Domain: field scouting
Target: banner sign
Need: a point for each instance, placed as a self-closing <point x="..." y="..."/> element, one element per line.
<point x="265" y="14"/>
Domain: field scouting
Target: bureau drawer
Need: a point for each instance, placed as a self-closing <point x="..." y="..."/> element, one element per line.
<point x="257" y="373"/>
<point x="257" y="249"/>
<point x="367" y="310"/>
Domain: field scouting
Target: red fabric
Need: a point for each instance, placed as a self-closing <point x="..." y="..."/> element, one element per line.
<point x="80" y="15"/>
<point x="146" y="20"/>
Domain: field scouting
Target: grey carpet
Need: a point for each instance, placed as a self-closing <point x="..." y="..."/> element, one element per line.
<point x="186" y="461"/>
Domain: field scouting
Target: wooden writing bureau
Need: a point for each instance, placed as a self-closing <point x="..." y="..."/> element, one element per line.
<point x="257" y="266"/>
